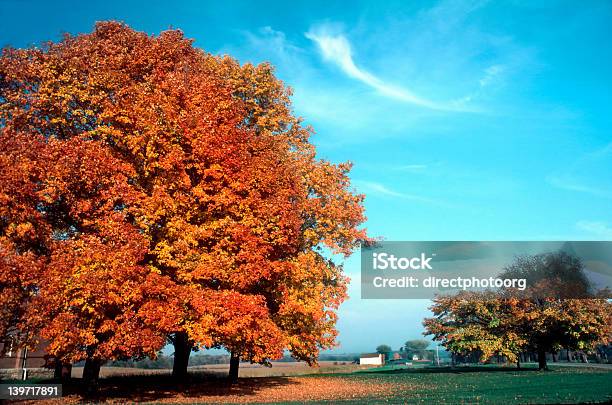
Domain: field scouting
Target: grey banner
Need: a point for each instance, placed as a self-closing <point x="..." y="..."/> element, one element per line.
<point x="30" y="391"/>
<point x="422" y="270"/>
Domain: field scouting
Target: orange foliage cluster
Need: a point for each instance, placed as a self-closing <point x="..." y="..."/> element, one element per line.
<point x="149" y="188"/>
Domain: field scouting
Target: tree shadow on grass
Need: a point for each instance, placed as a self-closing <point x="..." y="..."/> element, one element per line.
<point x="150" y="388"/>
<point x="450" y="370"/>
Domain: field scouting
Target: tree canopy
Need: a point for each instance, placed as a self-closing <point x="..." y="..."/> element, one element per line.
<point x="154" y="191"/>
<point x="383" y="349"/>
<point x="542" y="319"/>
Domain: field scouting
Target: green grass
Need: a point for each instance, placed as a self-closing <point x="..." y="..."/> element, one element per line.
<point x="490" y="385"/>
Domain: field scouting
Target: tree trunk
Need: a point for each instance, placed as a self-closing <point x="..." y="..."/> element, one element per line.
<point x="57" y="371"/>
<point x="554" y="357"/>
<point x="583" y="357"/>
<point x="182" y="350"/>
<point x="62" y="371"/>
<point x="542" y="360"/>
<point x="234" y="365"/>
<point x="67" y="372"/>
<point x="91" y="374"/>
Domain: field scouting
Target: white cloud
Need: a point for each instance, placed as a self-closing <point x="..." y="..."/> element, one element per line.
<point x="603" y="152"/>
<point x="382" y="189"/>
<point x="412" y="168"/>
<point x="588" y="174"/>
<point x="570" y="184"/>
<point x="491" y="75"/>
<point x="597" y="228"/>
<point x="371" y="187"/>
<point x="402" y="72"/>
<point x="270" y="45"/>
<point x="335" y="48"/>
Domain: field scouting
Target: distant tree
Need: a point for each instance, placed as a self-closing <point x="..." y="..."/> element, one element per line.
<point x="541" y="319"/>
<point x="416" y="346"/>
<point x="384" y="349"/>
<point x="482" y="323"/>
<point x="563" y="309"/>
<point x="556" y="275"/>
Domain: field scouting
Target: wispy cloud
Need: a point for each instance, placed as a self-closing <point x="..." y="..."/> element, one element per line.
<point x="597" y="228"/>
<point x="432" y="167"/>
<point x="491" y="75"/>
<point x="269" y="41"/>
<point x="570" y="184"/>
<point x="588" y="174"/>
<point x="382" y="189"/>
<point x="401" y="72"/>
<point x="412" y="168"/>
<point x="336" y="48"/>
<point x="372" y="187"/>
<point x="602" y="153"/>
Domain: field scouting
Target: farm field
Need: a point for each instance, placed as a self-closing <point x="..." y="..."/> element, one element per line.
<point x="481" y="384"/>
<point x="278" y="369"/>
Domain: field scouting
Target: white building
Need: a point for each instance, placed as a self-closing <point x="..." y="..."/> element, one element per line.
<point x="372" y="359"/>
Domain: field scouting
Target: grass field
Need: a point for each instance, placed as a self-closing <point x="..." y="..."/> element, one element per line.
<point x="498" y="385"/>
<point x="472" y="385"/>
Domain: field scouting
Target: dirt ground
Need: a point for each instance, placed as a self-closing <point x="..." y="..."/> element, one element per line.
<point x="278" y="369"/>
<point x="248" y="390"/>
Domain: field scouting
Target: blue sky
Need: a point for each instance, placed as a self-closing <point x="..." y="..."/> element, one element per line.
<point x="466" y="120"/>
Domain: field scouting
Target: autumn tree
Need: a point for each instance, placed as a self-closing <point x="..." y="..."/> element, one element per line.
<point x="483" y="323"/>
<point x="556" y="275"/>
<point x="565" y="311"/>
<point x="543" y="318"/>
<point x="22" y="233"/>
<point x="203" y="194"/>
<point x="72" y="255"/>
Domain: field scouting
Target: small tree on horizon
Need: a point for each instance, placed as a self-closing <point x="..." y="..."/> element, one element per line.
<point x="383" y="349"/>
<point x="416" y="346"/>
